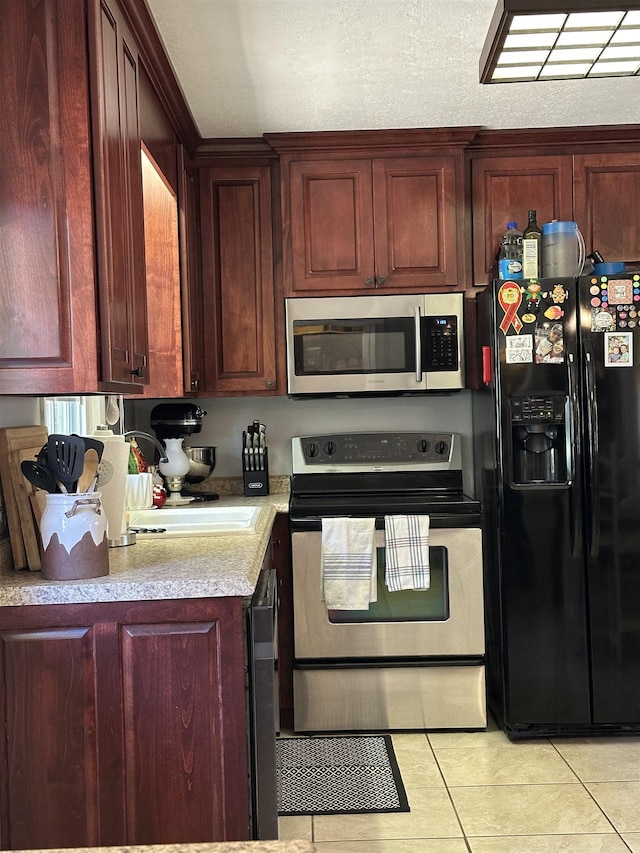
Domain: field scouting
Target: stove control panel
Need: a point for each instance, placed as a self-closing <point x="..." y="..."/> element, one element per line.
<point x="375" y="451"/>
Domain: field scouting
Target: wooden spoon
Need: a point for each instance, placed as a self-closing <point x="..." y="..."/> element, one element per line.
<point x="89" y="470"/>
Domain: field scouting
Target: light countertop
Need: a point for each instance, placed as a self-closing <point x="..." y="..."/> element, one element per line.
<point x="197" y="567"/>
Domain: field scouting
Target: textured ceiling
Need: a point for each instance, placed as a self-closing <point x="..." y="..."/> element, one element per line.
<point x="249" y="67"/>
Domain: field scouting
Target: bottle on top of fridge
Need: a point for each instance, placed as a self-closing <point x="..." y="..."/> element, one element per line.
<point x="510" y="253"/>
<point x="532" y="248"/>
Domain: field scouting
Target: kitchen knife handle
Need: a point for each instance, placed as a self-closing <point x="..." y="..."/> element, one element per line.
<point x="418" y="344"/>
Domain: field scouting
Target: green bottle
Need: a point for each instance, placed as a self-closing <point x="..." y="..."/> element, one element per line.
<point x="532" y="248"/>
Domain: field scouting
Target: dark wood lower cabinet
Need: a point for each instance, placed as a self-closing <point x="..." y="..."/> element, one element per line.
<point x="123" y="723"/>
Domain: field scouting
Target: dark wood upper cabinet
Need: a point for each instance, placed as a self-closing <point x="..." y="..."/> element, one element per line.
<point x="607" y="203"/>
<point x="331" y="226"/>
<point x="238" y="282"/>
<point x="48" y="322"/>
<point x="363" y="224"/>
<point x="504" y="189"/>
<point x="373" y="209"/>
<point x="118" y="197"/>
<point x="77" y="93"/>
<point x="415" y="217"/>
<point x="590" y="175"/>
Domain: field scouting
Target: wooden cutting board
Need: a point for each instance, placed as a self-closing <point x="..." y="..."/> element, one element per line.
<point x="15" y="489"/>
<point x="24" y="491"/>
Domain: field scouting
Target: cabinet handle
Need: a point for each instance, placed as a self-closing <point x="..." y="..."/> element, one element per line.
<point x="381" y="280"/>
<point x="369" y="281"/>
<point x="138" y="371"/>
<point x="270" y="383"/>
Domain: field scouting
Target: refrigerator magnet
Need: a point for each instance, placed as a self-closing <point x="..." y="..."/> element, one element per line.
<point x="620" y="291"/>
<point x="559" y="294"/>
<point x="603" y="319"/>
<point x="618" y="349"/>
<point x="519" y="349"/>
<point x="550" y="343"/>
<point x="509" y="298"/>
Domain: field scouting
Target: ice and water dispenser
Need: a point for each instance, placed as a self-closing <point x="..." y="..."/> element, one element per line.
<point x="539" y="439"/>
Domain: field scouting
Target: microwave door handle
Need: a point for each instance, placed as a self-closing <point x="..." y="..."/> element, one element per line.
<point x="417" y="318"/>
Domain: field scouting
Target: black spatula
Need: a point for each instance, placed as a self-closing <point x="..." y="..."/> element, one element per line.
<point x="65" y="456"/>
<point x="39" y="475"/>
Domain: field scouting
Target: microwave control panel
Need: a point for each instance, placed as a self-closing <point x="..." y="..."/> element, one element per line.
<point x="440" y="343"/>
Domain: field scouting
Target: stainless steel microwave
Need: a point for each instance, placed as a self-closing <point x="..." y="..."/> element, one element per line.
<point x="352" y="345"/>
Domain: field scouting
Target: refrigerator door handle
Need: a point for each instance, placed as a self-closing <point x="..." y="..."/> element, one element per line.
<point x="574" y="453"/>
<point x="591" y="448"/>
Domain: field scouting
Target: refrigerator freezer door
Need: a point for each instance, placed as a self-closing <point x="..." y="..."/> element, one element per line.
<point x="611" y="381"/>
<point x="542" y="584"/>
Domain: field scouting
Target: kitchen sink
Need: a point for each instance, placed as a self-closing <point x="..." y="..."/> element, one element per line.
<point x="193" y="521"/>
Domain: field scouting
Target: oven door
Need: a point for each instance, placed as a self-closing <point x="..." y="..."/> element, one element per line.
<point x="445" y="621"/>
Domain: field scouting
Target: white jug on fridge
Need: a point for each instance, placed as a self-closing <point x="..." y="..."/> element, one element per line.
<point x="563" y="250"/>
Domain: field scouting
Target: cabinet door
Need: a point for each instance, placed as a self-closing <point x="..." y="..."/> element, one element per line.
<point x="238" y="280"/>
<point x="119" y="206"/>
<point x="607" y="203"/>
<point x="48" y="320"/>
<point x="331" y="211"/>
<point x="185" y="762"/>
<point x="48" y="749"/>
<point x="123" y="723"/>
<point x="415" y="222"/>
<point x="504" y="189"/>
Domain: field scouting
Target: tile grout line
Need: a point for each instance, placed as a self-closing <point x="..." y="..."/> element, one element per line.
<point x="584" y="785"/>
<point x="448" y="790"/>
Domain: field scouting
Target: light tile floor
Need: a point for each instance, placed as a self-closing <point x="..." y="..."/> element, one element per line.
<point x="477" y="792"/>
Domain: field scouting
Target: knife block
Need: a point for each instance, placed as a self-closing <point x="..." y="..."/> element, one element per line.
<point x="256" y="482"/>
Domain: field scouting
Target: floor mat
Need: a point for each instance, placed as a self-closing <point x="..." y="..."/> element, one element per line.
<point x="339" y="775"/>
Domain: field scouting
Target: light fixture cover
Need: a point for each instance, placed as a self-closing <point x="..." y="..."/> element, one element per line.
<point x="555" y="40"/>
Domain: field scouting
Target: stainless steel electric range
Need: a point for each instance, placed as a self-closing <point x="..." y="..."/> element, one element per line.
<point x="415" y="658"/>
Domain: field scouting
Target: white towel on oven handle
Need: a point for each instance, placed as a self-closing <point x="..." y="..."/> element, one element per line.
<point x="407" y="552"/>
<point x="349" y="572"/>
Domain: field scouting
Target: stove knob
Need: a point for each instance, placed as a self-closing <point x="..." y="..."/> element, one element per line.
<point x="441" y="447"/>
<point x="330" y="447"/>
<point x="423" y="445"/>
<point x="312" y="450"/>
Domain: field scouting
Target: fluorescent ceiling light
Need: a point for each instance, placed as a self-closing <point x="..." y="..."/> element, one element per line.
<point x="552" y="39"/>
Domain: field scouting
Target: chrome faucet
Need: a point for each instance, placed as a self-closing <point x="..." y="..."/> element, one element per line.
<point x="136" y="433"/>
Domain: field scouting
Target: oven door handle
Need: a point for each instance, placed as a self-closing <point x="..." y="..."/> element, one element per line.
<point x="417" y="319"/>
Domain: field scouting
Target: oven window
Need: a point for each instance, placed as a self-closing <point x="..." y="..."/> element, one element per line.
<point x="379" y="345"/>
<point x="425" y="605"/>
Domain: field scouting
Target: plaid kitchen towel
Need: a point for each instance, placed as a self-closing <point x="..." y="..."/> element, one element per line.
<point x="407" y="552"/>
<point x="349" y="579"/>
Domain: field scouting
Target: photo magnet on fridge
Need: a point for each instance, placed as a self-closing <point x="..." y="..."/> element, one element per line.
<point x="618" y="349"/>
<point x="549" y="343"/>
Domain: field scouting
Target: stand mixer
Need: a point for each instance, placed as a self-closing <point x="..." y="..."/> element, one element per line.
<point x="171" y="421"/>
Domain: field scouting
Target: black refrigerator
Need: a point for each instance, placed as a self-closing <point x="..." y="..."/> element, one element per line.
<point x="557" y="468"/>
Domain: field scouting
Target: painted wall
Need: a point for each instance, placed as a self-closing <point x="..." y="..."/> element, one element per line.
<point x="285" y="418"/>
<point x="19" y="411"/>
